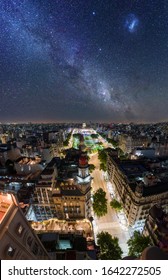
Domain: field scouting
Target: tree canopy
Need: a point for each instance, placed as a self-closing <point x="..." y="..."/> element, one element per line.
<point x="77" y="135"/>
<point x="103" y="167"/>
<point x="94" y="136"/>
<point x="113" y="142"/>
<point x="91" y="167"/>
<point x="102" y="156"/>
<point x="137" y="243"/>
<point x="115" y="204"/>
<point x="66" y="142"/>
<point x="109" y="246"/>
<point x="100" y="203"/>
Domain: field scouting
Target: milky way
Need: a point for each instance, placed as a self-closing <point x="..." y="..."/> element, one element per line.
<point x="83" y="60"/>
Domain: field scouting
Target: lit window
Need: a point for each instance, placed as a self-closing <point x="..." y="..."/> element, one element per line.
<point x="10" y="251"/>
<point x="20" y="229"/>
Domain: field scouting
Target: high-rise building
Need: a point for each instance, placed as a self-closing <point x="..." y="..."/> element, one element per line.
<point x="18" y="241"/>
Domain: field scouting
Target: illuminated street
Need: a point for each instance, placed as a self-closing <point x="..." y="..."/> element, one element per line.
<point x="110" y="221"/>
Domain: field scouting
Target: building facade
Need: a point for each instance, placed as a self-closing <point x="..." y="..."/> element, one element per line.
<point x="63" y="195"/>
<point x="127" y="142"/>
<point x="136" y="194"/>
<point x="156" y="227"/>
<point x="18" y="241"/>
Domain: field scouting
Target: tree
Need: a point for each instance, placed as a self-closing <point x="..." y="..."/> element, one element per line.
<point x="137" y="243"/>
<point x="66" y="142"/>
<point x="91" y="167"/>
<point x="64" y="152"/>
<point x="77" y="135"/>
<point x="102" y="135"/>
<point x="109" y="246"/>
<point x="113" y="142"/>
<point x="103" y="167"/>
<point x="116" y="205"/>
<point x="100" y="203"/>
<point x="102" y="156"/>
<point x="94" y="136"/>
<point x="122" y="155"/>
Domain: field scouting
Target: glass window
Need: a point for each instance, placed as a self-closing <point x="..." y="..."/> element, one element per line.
<point x="35" y="249"/>
<point x="10" y="251"/>
<point x="29" y="240"/>
<point x="20" y="229"/>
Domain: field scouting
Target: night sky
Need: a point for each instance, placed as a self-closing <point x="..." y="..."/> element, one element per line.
<point x="84" y="60"/>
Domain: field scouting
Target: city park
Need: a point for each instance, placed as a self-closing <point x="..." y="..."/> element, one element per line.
<point x="90" y="141"/>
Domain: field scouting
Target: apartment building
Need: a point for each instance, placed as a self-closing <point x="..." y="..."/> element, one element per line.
<point x="18" y="240"/>
<point x="156" y="227"/>
<point x="128" y="142"/>
<point x="136" y="188"/>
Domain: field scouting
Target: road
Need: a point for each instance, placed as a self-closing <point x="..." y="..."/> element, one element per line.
<point x="110" y="222"/>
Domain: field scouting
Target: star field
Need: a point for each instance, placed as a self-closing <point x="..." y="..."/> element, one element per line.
<point x="99" y="60"/>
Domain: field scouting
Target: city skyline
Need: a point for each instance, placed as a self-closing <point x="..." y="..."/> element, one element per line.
<point x="101" y="61"/>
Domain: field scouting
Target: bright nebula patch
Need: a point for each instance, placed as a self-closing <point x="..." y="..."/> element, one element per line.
<point x="131" y="23"/>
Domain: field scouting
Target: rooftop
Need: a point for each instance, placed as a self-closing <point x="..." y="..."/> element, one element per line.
<point x="135" y="171"/>
<point x="132" y="168"/>
<point x="27" y="160"/>
<point x="81" y="227"/>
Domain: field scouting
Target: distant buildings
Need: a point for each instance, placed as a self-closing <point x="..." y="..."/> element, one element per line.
<point x="127" y="142"/>
<point x="141" y="152"/>
<point x="9" y="152"/>
<point x="160" y="147"/>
